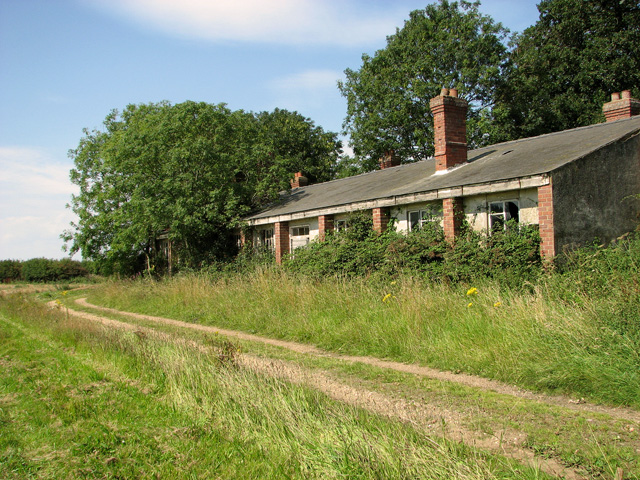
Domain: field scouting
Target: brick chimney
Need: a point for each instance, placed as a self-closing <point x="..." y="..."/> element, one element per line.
<point x="299" y="180"/>
<point x="449" y="129"/>
<point x="389" y="159"/>
<point x="621" y="106"/>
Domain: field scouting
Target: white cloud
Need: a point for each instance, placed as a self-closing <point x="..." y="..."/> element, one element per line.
<point x="34" y="189"/>
<point x="327" y="22"/>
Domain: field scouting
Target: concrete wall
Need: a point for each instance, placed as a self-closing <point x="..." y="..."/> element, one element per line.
<point x="590" y="196"/>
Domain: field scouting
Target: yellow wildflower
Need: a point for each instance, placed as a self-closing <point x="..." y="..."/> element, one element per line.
<point x="497" y="304"/>
<point x="472" y="291"/>
<point x="470" y="304"/>
<point x="387" y="297"/>
<point x="393" y="282"/>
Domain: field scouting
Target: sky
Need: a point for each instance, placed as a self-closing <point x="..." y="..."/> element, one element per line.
<point x="65" y="64"/>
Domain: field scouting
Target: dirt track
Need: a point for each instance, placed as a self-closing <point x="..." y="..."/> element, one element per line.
<point x="431" y="418"/>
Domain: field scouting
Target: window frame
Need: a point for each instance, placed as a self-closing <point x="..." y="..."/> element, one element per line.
<point x="505" y="213"/>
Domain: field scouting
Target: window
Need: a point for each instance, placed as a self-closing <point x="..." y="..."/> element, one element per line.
<point x="300" y="231"/>
<point x="501" y="212"/>
<point x="418" y="218"/>
<point x="266" y="238"/>
<point x="342" y="225"/>
<point x="299" y="236"/>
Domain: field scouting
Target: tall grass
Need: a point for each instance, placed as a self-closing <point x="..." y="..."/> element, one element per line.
<point x="139" y="406"/>
<point x="550" y="337"/>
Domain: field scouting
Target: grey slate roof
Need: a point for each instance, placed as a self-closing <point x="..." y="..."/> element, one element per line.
<point x="505" y="161"/>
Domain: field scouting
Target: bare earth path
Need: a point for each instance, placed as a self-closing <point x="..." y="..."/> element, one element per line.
<point x="430" y="418"/>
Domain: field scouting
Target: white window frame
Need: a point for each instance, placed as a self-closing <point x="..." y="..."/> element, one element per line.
<point x="502" y="214"/>
<point x="424" y="216"/>
<point x="341" y="225"/>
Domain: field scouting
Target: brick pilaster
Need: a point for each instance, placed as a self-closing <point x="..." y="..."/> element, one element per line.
<point x="545" y="221"/>
<point x="281" y="239"/>
<point x="246" y="238"/>
<point x="380" y="219"/>
<point x="452" y="216"/>
<point x="325" y="224"/>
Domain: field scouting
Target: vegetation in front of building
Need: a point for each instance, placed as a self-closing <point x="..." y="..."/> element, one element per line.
<point x="511" y="256"/>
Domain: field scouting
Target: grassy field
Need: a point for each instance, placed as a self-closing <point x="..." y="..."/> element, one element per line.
<point x="78" y="400"/>
<point x="142" y="399"/>
<point x="544" y="339"/>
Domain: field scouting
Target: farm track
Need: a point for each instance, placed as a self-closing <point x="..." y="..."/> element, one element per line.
<point x="433" y="419"/>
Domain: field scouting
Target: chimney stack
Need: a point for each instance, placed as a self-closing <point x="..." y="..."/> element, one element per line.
<point x="449" y="129"/>
<point x="389" y="159"/>
<point x="299" y="180"/>
<point x="621" y="106"/>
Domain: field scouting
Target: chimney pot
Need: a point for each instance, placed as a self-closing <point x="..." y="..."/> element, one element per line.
<point x="453" y="92"/>
<point x="619" y="108"/>
<point x="444" y="92"/>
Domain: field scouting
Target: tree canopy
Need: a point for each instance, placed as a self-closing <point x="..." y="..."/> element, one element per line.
<point x="448" y="44"/>
<point x="563" y="68"/>
<point x="190" y="171"/>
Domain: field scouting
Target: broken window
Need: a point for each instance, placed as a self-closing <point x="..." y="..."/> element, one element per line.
<point x="502" y="212"/>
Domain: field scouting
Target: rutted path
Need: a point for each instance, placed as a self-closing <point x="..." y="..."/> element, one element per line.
<point x="435" y="419"/>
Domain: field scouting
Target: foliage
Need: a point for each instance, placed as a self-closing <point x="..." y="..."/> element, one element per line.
<point x="46" y="270"/>
<point x="10" y="270"/>
<point x="448" y="44"/>
<point x="190" y="171"/>
<point x="563" y="68"/>
<point x="511" y="256"/>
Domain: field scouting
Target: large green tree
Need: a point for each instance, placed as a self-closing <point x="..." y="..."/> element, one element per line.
<point x="448" y="44"/>
<point x="191" y="171"/>
<point x="563" y="68"/>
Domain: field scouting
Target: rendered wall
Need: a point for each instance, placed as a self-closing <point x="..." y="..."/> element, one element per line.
<point x="593" y="198"/>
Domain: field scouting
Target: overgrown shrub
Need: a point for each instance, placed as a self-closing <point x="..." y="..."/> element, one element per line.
<point x="511" y="256"/>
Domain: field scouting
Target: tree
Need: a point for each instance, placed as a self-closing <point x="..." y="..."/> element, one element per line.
<point x="190" y="171"/>
<point x="449" y="44"/>
<point x="565" y="67"/>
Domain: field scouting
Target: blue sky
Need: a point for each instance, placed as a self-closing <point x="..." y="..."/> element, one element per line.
<point x="65" y="64"/>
